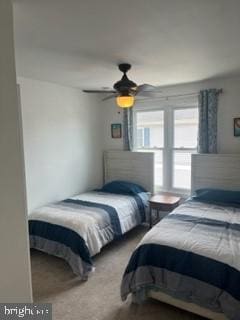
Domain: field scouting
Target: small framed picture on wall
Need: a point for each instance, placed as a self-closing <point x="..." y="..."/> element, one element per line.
<point x="116" y="130"/>
<point x="236" y="123"/>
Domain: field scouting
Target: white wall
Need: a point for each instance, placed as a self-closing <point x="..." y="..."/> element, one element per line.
<point x="110" y="114"/>
<point x="229" y="107"/>
<point x="65" y="132"/>
<point x="62" y="141"/>
<point x="15" y="283"/>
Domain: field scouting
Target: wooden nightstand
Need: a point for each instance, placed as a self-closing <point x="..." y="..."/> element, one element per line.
<point x="161" y="202"/>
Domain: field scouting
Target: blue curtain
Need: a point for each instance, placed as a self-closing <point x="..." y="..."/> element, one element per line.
<point x="128" y="129"/>
<point x="207" y="134"/>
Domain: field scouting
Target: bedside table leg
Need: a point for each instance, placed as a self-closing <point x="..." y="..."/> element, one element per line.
<point x="150" y="218"/>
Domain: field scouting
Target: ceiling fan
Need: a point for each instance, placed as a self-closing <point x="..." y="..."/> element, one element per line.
<point x="125" y="89"/>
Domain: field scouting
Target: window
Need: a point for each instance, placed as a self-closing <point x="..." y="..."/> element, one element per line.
<point x="172" y="134"/>
<point x="153" y="122"/>
<point x="185" y="143"/>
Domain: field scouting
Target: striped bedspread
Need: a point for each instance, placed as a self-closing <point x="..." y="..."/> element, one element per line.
<point x="77" y="228"/>
<point x="194" y="255"/>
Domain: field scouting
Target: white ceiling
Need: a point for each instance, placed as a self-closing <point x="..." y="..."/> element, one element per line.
<point x="80" y="42"/>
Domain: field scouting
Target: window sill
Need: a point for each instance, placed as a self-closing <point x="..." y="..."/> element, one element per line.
<point x="183" y="193"/>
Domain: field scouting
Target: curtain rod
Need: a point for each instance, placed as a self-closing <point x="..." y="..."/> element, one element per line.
<point x="219" y="91"/>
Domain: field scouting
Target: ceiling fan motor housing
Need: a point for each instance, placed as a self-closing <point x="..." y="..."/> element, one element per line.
<point x="125" y="86"/>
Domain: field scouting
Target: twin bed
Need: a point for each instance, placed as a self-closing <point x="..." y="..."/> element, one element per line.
<point x="77" y="228"/>
<point x="190" y="259"/>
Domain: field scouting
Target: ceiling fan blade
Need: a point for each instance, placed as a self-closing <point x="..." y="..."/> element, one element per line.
<point x="110" y="97"/>
<point x="147" y="88"/>
<point x="98" y="91"/>
<point x="148" y="94"/>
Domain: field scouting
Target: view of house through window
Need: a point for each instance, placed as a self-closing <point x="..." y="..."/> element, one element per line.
<point x="172" y="134"/>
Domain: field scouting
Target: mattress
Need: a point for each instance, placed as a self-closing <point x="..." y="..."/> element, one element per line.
<point x="192" y="255"/>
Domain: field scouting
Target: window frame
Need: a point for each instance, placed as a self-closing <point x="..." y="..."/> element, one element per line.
<point x="168" y="148"/>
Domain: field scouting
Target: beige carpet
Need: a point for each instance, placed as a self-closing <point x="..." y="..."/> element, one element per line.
<point x="98" y="298"/>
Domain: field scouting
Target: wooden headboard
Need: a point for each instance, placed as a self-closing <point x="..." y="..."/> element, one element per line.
<point x="137" y="167"/>
<point x="220" y="171"/>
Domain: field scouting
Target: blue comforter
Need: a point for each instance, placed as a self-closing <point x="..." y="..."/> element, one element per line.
<point x="193" y="255"/>
<point x="77" y="228"/>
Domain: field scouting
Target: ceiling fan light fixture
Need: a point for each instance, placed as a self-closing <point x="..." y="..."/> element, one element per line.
<point x="125" y="101"/>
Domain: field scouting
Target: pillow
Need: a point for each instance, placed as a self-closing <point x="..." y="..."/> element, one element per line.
<point x="217" y="195"/>
<point x="122" y="187"/>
